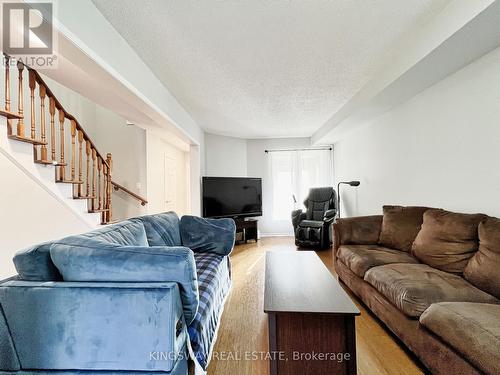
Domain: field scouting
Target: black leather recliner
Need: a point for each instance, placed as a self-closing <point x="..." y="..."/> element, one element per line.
<point x="313" y="227"/>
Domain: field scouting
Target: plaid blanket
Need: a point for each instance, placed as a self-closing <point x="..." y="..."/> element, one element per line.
<point x="214" y="282"/>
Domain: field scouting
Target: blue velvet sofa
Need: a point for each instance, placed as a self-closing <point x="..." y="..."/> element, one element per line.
<point x="141" y="296"/>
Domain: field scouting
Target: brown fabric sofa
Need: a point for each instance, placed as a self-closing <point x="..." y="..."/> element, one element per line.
<point x="433" y="278"/>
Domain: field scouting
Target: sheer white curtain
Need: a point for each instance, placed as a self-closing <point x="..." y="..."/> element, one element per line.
<point x="293" y="173"/>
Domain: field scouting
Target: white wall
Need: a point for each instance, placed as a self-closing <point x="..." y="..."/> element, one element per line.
<point x="440" y="149"/>
<point x="109" y="132"/>
<point x="127" y="144"/>
<point x="225" y="156"/>
<point x="419" y="58"/>
<point x="196" y="170"/>
<point x="29" y="215"/>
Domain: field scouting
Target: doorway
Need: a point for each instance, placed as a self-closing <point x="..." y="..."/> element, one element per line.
<point x="168" y="176"/>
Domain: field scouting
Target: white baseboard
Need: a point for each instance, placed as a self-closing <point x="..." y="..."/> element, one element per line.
<point x="276" y="234"/>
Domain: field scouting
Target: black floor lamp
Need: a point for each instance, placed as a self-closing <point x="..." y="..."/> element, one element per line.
<point x="350" y="183"/>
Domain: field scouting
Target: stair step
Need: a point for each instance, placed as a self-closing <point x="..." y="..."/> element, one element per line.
<point x="9" y="115"/>
<point x="69" y="182"/>
<point x="85" y="197"/>
<point x="97" y="211"/>
<point x="44" y="162"/>
<point x="50" y="162"/>
<point x="35" y="142"/>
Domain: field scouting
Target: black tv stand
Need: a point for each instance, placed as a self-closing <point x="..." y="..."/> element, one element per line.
<point x="246" y="229"/>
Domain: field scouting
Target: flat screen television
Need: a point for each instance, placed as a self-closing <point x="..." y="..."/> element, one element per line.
<point x="235" y="197"/>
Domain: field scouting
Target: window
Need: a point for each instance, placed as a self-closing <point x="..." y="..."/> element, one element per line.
<point x="293" y="173"/>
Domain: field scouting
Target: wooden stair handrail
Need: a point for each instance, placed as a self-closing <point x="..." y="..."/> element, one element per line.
<point x="69" y="116"/>
<point x="49" y="93"/>
<point x="79" y="163"/>
<point x="123" y="188"/>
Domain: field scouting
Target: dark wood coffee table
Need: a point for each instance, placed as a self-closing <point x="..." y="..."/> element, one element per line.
<point x="311" y="318"/>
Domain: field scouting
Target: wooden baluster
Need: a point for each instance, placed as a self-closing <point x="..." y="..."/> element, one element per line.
<point x="109" y="213"/>
<point x="104" y="192"/>
<point x="52" y="111"/>
<point x="94" y="179"/>
<point x="20" y="101"/>
<point x="43" y="93"/>
<point x="99" y="187"/>
<point x="32" y="85"/>
<point x="7" y="93"/>
<point x="73" y="149"/>
<point x="88" y="153"/>
<point x="80" y="162"/>
<point x="62" y="162"/>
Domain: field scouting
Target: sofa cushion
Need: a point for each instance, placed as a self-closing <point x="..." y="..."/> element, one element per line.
<point x="472" y="329"/>
<point x="214" y="283"/>
<point x="161" y="229"/>
<point x="400" y="226"/>
<point x="483" y="269"/>
<point x="447" y="240"/>
<point x="361" y="230"/>
<point x="34" y="264"/>
<point x="208" y="235"/>
<point x="360" y="258"/>
<point x="412" y="288"/>
<point x="126" y="233"/>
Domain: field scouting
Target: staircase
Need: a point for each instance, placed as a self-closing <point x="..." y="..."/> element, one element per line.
<point x="64" y="146"/>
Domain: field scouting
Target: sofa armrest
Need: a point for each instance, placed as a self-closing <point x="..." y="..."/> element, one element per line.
<point x="208" y="235"/>
<point x="95" y="326"/>
<point x="361" y="230"/>
<point x="105" y="262"/>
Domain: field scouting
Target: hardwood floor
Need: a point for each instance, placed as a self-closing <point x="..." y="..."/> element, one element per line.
<point x="242" y="339"/>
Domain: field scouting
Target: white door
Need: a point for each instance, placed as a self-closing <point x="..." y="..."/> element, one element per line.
<point x="171" y="184"/>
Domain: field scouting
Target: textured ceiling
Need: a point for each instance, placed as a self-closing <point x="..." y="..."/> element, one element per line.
<point x="263" y="68"/>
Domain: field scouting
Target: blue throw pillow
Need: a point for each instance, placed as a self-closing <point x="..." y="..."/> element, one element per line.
<point x="161" y="229"/>
<point x="208" y="235"/>
<point x="34" y="264"/>
<point x="127" y="233"/>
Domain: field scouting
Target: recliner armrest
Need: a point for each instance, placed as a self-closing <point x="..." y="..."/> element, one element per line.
<point x="297" y="217"/>
<point x="330" y="214"/>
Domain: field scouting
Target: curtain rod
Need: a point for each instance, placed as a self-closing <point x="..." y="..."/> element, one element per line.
<point x="301" y="149"/>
